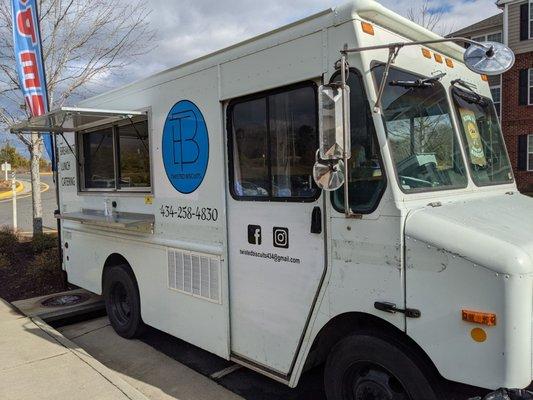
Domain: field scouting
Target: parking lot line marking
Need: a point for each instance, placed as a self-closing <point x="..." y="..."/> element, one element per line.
<point x="226" y="371"/>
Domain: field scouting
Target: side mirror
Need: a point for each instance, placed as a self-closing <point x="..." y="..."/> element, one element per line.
<point x="490" y="58"/>
<point x="328" y="174"/>
<point x="334" y="121"/>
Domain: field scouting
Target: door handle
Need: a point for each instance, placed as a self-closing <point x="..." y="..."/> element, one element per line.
<point x="391" y="308"/>
<point x="316" y="220"/>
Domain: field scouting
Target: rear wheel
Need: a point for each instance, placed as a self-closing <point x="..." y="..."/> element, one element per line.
<point x="122" y="302"/>
<point x="364" y="367"/>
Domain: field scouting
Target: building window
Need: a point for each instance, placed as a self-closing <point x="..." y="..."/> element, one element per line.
<point x="273" y="138"/>
<point x="531" y="19"/>
<point x="490" y="37"/>
<point x="496" y="92"/>
<point x="530" y="152"/>
<point x="530" y="87"/>
<point x="115" y="158"/>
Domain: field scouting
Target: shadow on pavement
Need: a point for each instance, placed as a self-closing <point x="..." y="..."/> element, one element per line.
<point x="244" y="382"/>
<point x="254" y="386"/>
<point x="161" y="366"/>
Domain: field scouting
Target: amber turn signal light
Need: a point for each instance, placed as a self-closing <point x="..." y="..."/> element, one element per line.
<point x="484" y="78"/>
<point x="367" y="28"/>
<point x="479" y="317"/>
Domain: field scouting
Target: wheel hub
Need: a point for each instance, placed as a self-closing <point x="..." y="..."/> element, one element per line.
<point x="373" y="386"/>
<point x="121" y="303"/>
<point x="371" y="383"/>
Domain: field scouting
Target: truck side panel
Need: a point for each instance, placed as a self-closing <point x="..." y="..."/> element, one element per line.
<point x="183" y="243"/>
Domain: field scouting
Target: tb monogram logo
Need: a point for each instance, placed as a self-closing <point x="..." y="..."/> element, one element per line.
<point x="184" y="129"/>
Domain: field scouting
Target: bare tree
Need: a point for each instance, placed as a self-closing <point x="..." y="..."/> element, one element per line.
<point x="83" y="42"/>
<point x="424" y="14"/>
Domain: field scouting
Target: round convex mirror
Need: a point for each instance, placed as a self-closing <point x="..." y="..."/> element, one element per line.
<point x="489" y="58"/>
<point x="329" y="175"/>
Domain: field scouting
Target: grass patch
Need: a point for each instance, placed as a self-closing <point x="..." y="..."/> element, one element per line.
<point x="9" y="241"/>
<point x="29" y="267"/>
<point x="43" y="242"/>
<point x="4" y="261"/>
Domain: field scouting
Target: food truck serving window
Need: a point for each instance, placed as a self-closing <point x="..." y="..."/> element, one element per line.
<point x="116" y="157"/>
<point x="272" y="143"/>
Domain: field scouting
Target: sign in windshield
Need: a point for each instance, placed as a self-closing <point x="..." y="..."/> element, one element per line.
<point x="473" y="138"/>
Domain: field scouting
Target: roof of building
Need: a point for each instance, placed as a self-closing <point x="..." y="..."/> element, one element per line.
<point x="490" y="22"/>
<point x="501" y="3"/>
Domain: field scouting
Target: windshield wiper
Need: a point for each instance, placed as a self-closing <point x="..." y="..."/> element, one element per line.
<point x="469" y="95"/>
<point x="419" y="83"/>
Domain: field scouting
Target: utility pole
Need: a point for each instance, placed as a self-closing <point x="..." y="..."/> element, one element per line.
<point x="14" y="195"/>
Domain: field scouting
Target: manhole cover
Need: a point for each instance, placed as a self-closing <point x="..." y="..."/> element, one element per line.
<point x="64" y="300"/>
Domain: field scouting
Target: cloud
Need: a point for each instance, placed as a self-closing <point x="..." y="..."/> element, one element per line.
<point x="187" y="29"/>
<point x="457" y="14"/>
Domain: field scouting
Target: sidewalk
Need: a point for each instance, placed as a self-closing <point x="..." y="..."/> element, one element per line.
<point x="154" y="374"/>
<point x="38" y="362"/>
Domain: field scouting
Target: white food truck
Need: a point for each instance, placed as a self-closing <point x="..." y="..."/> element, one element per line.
<point x="209" y="201"/>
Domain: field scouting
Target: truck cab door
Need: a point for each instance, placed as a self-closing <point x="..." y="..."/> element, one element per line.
<point x="276" y="241"/>
<point x="366" y="249"/>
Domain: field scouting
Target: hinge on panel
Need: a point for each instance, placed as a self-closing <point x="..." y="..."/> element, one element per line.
<point x="392" y="309"/>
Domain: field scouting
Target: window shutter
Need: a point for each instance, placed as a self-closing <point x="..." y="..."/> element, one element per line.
<point x="522" y="152"/>
<point x="522" y="83"/>
<point x="524" y="21"/>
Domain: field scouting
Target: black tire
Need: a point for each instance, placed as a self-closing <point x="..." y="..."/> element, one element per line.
<point x="365" y="367"/>
<point x="122" y="302"/>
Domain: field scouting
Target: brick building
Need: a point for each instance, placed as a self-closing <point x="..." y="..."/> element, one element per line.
<point x="513" y="91"/>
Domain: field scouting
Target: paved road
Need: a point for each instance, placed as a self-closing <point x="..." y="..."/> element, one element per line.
<point x="24" y="207"/>
<point x="160" y="365"/>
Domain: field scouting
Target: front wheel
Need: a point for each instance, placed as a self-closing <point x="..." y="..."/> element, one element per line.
<point x="364" y="367"/>
<point x="122" y="302"/>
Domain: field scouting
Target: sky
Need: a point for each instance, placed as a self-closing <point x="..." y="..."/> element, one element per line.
<point x="190" y="28"/>
<point x="186" y="29"/>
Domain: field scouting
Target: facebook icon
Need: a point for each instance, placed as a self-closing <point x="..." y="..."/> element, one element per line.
<point x="254" y="234"/>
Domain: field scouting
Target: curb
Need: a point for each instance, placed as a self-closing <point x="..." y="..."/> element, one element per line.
<point x="8" y="193"/>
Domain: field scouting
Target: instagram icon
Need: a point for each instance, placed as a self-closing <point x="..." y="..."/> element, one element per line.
<point x="281" y="237"/>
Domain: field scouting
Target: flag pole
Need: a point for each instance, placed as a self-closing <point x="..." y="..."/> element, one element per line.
<point x="54" y="161"/>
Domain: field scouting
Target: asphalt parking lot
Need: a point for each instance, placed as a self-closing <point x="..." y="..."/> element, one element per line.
<point x="163" y="367"/>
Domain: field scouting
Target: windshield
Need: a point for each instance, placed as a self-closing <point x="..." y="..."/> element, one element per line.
<point x="423" y="145"/>
<point x="483" y="138"/>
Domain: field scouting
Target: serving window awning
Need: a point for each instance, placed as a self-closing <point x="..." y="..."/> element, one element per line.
<point x="72" y="119"/>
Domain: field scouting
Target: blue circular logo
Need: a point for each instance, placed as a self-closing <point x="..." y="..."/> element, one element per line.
<point x="185" y="146"/>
